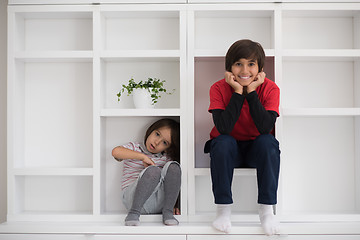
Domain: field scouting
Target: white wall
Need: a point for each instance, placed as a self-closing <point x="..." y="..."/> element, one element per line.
<point x="3" y="70"/>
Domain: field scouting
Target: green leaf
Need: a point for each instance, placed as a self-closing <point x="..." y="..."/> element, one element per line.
<point x="156" y="85"/>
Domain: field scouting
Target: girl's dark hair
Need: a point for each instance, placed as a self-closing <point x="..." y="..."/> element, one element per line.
<point x="247" y="49"/>
<point x="174" y="149"/>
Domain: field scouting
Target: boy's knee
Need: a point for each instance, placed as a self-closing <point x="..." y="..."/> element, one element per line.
<point x="266" y="140"/>
<point x="223" y="143"/>
<point x="267" y="145"/>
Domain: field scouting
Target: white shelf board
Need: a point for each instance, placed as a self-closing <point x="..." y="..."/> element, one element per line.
<point x="237" y="217"/>
<point x="231" y="1"/>
<point x="167" y="10"/>
<point x="288" y="112"/>
<point x="53" y="171"/>
<point x="139" y="1"/>
<point x="33" y="56"/>
<point x="107" y="54"/>
<point x="48" y="11"/>
<point x="318" y="1"/>
<point x="222" y="53"/>
<point x="139" y="112"/>
<point x="15" y="2"/>
<point x="321" y="53"/>
<point x="313" y="6"/>
<point x="290" y="216"/>
<point x="266" y="9"/>
<point x="184" y="228"/>
<point x="237" y="172"/>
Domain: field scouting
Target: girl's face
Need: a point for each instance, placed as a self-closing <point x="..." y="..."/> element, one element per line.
<point x="245" y="71"/>
<point x="159" y="140"/>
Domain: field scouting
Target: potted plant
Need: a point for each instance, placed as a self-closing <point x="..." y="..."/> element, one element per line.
<point x="145" y="94"/>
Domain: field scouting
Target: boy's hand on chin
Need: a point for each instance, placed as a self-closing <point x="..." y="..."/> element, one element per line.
<point x="230" y="79"/>
<point x="259" y="79"/>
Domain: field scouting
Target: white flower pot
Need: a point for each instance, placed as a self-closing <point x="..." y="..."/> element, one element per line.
<point x="142" y="98"/>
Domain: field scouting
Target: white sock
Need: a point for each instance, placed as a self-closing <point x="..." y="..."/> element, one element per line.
<point x="268" y="221"/>
<point x="223" y="221"/>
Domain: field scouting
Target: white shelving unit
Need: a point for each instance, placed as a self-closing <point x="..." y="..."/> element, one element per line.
<point x="67" y="62"/>
<point x="321" y="111"/>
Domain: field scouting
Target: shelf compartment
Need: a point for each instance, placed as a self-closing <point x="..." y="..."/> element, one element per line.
<point x="321" y="29"/>
<point x="244" y="190"/>
<point x="215" y="31"/>
<point x="155" y="30"/>
<point x="118" y="71"/>
<point x="307" y="150"/>
<point x="53" y="195"/>
<point x="53" y="31"/>
<point x="208" y="70"/>
<point x="116" y="131"/>
<point x="320" y="82"/>
<point x="50" y="114"/>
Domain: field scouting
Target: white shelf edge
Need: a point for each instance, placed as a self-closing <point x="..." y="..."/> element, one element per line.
<point x="222" y="53"/>
<point x="21" y="7"/>
<point x="55" y="2"/>
<point x="53" y="171"/>
<point x="157" y="6"/>
<point x="310" y="5"/>
<point x="140" y="54"/>
<point x="288" y="112"/>
<point x="139" y="112"/>
<point x="303" y="216"/>
<point x="184" y="228"/>
<point x="321" y="53"/>
<point x="53" y="55"/>
<point x="245" y="6"/>
<point x="237" y="172"/>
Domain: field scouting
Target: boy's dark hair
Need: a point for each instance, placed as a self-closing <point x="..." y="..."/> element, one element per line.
<point x="174" y="150"/>
<point x="247" y="49"/>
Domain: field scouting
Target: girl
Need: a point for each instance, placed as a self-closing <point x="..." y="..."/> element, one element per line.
<point x="152" y="175"/>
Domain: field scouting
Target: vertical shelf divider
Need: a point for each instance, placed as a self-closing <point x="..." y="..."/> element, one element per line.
<point x="97" y="203"/>
<point x="10" y="115"/>
<point x="278" y="75"/>
<point x="183" y="112"/>
<point x="190" y="111"/>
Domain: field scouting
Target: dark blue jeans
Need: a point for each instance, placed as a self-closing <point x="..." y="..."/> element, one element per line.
<point x="263" y="153"/>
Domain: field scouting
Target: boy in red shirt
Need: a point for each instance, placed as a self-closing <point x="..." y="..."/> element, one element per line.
<point x="244" y="106"/>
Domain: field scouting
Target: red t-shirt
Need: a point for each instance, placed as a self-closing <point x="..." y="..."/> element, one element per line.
<point x="244" y="129"/>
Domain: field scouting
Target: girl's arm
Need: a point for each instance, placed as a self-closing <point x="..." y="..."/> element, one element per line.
<point x="120" y="153"/>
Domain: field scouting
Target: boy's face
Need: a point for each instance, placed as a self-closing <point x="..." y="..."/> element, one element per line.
<point x="245" y="71"/>
<point x="159" y="140"/>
